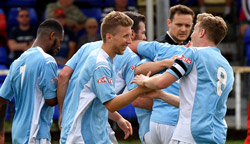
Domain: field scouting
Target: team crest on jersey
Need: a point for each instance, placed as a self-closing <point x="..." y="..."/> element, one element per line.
<point x="185" y="59"/>
<point x="132" y="67"/>
<point x="54" y="79"/>
<point x="110" y="80"/>
<point x="102" y="80"/>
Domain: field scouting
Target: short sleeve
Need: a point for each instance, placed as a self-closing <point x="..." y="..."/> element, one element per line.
<point x="102" y="83"/>
<point x="149" y="49"/>
<point x="129" y="72"/>
<point x="183" y="64"/>
<point x="6" y="90"/>
<point x="72" y="62"/>
<point x="48" y="80"/>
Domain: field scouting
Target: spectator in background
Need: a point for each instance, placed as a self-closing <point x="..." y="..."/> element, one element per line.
<point x="68" y="45"/>
<point x="119" y="5"/>
<point x="75" y="19"/>
<point x="21" y="37"/>
<point x="92" y="33"/>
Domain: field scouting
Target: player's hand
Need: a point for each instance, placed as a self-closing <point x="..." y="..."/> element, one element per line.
<point x="125" y="126"/>
<point x="60" y="121"/>
<point x="174" y="57"/>
<point x="2" y="137"/>
<point x="139" y="79"/>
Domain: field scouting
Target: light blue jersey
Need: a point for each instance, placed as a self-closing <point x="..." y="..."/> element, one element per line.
<point x="124" y="68"/>
<point x="154" y="51"/>
<point x="94" y="86"/>
<point x="207" y="80"/>
<point x="32" y="79"/>
<point x="76" y="63"/>
<point x="143" y="117"/>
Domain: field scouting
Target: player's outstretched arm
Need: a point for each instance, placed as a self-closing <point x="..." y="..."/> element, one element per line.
<point x="156" y="82"/>
<point x="154" y="67"/>
<point x="3" y="109"/>
<point x="168" y="98"/>
<point x="125" y="99"/>
<point x="125" y="125"/>
<point x="63" y="82"/>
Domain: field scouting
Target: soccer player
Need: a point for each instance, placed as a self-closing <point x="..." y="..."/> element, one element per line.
<point x="157" y="60"/>
<point x="94" y="93"/>
<point x="206" y="80"/>
<point x="124" y="67"/>
<point x="66" y="84"/>
<point x="32" y="82"/>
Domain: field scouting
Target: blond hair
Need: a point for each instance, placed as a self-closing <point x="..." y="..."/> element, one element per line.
<point x="112" y="21"/>
<point x="215" y="27"/>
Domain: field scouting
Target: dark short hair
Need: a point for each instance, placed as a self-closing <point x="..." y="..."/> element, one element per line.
<point x="137" y="18"/>
<point x="22" y="9"/>
<point x="180" y="9"/>
<point x="50" y="25"/>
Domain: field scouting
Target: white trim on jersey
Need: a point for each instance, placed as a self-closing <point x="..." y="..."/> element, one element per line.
<point x="188" y="87"/>
<point x="43" y="53"/>
<point x="75" y="134"/>
<point x="38" y="104"/>
<point x="119" y="81"/>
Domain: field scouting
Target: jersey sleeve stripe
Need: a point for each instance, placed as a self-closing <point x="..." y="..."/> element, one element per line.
<point x="173" y="68"/>
<point x="179" y="68"/>
<point x="181" y="64"/>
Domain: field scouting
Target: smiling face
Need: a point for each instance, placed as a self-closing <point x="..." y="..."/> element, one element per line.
<point x="121" y="39"/>
<point x="180" y="27"/>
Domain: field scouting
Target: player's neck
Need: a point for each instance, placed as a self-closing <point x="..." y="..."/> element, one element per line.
<point x="207" y="43"/>
<point x="109" y="50"/>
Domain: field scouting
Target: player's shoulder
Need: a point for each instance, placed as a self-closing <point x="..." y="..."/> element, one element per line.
<point x="44" y="56"/>
<point x="90" y="46"/>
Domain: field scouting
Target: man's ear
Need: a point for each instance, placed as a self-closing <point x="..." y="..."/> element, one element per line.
<point x="133" y="34"/>
<point x="169" y="22"/>
<point x="52" y="36"/>
<point x="202" y="33"/>
<point x="108" y="36"/>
